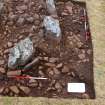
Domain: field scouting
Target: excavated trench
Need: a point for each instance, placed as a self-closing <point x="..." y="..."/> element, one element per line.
<point x="69" y="59"/>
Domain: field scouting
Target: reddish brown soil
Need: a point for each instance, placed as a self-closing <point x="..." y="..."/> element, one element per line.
<point x="71" y="60"/>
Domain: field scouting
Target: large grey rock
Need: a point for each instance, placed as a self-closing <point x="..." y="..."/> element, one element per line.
<point x="52" y="25"/>
<point x="21" y="53"/>
<point x="51" y="7"/>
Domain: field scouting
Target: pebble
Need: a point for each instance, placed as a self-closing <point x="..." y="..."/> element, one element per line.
<point x="21" y="8"/>
<point x="1" y="6"/>
<point x="53" y="60"/>
<point x="20" y="21"/>
<point x="64" y="14"/>
<point x="81" y="56"/>
<point x="25" y="89"/>
<point x="69" y="8"/>
<point x="1" y="89"/>
<point x="26" y="1"/>
<point x="14" y="89"/>
<point x="86" y="96"/>
<point x="11" y="94"/>
<point x="58" y="85"/>
<point x="9" y="44"/>
<point x="89" y="51"/>
<point x="2" y="62"/>
<point x="36" y="16"/>
<point x="33" y="83"/>
<point x="59" y="65"/>
<point x="40" y="85"/>
<point x="51" y="72"/>
<point x="50" y="64"/>
<point x="56" y="71"/>
<point x="46" y="58"/>
<point x="40" y="67"/>
<point x="33" y="28"/>
<point x="12" y="73"/>
<point x="65" y="69"/>
<point x="41" y="33"/>
<point x="2" y="70"/>
<point x="41" y="73"/>
<point x="30" y="19"/>
<point x="12" y="16"/>
<point x="37" y="22"/>
<point x="6" y="90"/>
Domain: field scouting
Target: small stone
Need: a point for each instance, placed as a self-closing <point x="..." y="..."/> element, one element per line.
<point x="1" y="89"/>
<point x="21" y="8"/>
<point x="26" y="1"/>
<point x="50" y="64"/>
<point x="40" y="67"/>
<point x="33" y="28"/>
<point x="64" y="14"/>
<point x="53" y="60"/>
<point x="20" y="21"/>
<point x="26" y="90"/>
<point x="6" y="51"/>
<point x="1" y="6"/>
<point x="2" y="70"/>
<point x="12" y="17"/>
<point x="79" y="44"/>
<point x="41" y="73"/>
<point x="6" y="90"/>
<point x="2" y="62"/>
<point x="52" y="82"/>
<point x="41" y="33"/>
<point x="58" y="85"/>
<point x="20" y="37"/>
<point x="40" y="85"/>
<point x="33" y="83"/>
<point x="69" y="8"/>
<point x="37" y="22"/>
<point x="86" y="96"/>
<point x="60" y="65"/>
<point x="89" y="51"/>
<point x="36" y="16"/>
<point x="73" y="74"/>
<point x="46" y="58"/>
<point x="30" y="19"/>
<point x="13" y="73"/>
<point x="56" y="71"/>
<point x="14" y="89"/>
<point x="11" y="94"/>
<point x="65" y="69"/>
<point x="81" y="56"/>
<point x="9" y="44"/>
<point x="51" y="72"/>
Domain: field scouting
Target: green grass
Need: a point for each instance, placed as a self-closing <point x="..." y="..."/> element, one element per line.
<point x="96" y="11"/>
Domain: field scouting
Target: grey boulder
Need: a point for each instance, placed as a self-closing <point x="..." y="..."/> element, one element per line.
<point x="21" y="53"/>
<point x="52" y="26"/>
